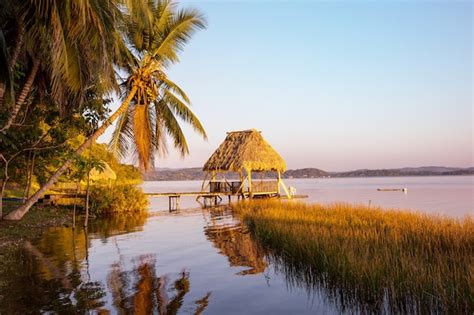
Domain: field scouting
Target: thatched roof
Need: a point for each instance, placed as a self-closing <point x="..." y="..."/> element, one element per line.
<point x="245" y="150"/>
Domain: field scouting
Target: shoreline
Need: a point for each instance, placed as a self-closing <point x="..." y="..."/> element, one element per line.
<point x="33" y="225"/>
<point x="323" y="177"/>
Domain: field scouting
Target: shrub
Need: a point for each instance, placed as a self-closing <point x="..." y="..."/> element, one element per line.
<point x="117" y="199"/>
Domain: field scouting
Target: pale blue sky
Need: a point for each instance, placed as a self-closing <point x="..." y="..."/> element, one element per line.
<point x="335" y="85"/>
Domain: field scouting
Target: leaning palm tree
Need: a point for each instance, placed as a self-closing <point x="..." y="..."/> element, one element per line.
<point x="147" y="87"/>
<point x="152" y="115"/>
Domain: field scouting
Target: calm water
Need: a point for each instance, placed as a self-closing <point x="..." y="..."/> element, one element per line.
<point x="193" y="260"/>
<point x="447" y="195"/>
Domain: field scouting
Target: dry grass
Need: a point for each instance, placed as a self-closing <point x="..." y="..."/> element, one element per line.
<point x="369" y="260"/>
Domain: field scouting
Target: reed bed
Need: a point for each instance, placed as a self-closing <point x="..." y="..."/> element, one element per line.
<point x="369" y="260"/>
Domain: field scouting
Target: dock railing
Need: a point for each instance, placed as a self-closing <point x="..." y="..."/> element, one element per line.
<point x="233" y="187"/>
<point x="268" y="186"/>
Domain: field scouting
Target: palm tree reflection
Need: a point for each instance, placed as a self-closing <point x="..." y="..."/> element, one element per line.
<point x="140" y="291"/>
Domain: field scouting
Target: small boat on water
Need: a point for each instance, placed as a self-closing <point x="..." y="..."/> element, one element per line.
<point x="405" y="190"/>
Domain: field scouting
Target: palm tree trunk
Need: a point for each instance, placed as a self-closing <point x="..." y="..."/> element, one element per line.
<point x="24" y="93"/>
<point x="17" y="214"/>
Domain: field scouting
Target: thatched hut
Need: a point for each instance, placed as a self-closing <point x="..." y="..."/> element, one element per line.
<point x="244" y="152"/>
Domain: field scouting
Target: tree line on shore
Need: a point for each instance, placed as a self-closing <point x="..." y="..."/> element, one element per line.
<point x="62" y="63"/>
<point x="196" y="173"/>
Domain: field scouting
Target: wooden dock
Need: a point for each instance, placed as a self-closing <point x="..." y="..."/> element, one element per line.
<point x="210" y="198"/>
<point x="214" y="198"/>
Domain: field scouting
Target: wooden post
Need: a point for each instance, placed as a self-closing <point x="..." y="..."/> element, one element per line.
<point x="249" y="179"/>
<point x="278" y="182"/>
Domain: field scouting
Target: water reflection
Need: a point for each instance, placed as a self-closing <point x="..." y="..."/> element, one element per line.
<point x="140" y="291"/>
<point x="119" y="224"/>
<point x="234" y="241"/>
<point x="109" y="271"/>
<point x="33" y="281"/>
<point x="53" y="276"/>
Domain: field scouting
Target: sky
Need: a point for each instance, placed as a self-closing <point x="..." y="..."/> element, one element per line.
<point x="336" y="85"/>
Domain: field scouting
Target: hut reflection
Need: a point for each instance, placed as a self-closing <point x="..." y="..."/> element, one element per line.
<point x="234" y="240"/>
<point x="141" y="291"/>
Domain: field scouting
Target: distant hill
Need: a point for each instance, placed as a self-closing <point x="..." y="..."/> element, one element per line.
<point x="407" y="171"/>
<point x="196" y="173"/>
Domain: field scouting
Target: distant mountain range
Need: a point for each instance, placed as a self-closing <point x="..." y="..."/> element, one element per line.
<point x="196" y="173"/>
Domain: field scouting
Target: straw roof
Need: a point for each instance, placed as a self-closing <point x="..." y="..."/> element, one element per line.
<point x="245" y="150"/>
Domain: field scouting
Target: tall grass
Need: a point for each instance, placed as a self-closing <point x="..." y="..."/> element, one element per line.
<point x="369" y="260"/>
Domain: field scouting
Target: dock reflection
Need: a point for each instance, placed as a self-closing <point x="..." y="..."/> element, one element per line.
<point x="233" y="240"/>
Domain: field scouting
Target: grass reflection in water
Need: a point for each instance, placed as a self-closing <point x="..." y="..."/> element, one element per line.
<point x="369" y="260"/>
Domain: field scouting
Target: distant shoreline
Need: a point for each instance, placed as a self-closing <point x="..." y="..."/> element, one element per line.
<point x="196" y="173"/>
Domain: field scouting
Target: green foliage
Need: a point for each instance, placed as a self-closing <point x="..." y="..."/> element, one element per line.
<point x="85" y="165"/>
<point x="117" y="199"/>
<point x="126" y="174"/>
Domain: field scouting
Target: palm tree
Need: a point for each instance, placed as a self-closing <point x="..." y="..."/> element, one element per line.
<point x="72" y="43"/>
<point x="153" y="112"/>
<point x="154" y="49"/>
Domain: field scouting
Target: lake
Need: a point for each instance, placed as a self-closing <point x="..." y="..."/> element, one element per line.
<point x="445" y="195"/>
<point x="196" y="260"/>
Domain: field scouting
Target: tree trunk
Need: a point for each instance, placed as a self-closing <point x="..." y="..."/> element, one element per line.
<point x="2" y="189"/>
<point x="31" y="176"/>
<point x="28" y="161"/>
<point x="17" y="214"/>
<point x="19" y="43"/>
<point x="15" y="53"/>
<point x="24" y="93"/>
<point x="78" y="185"/>
<point x="86" y="219"/>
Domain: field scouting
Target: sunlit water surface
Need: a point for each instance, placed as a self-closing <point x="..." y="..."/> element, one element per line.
<point x="194" y="260"/>
<point x="446" y="195"/>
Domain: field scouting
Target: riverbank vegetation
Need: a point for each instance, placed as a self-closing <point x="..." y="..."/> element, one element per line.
<point x="38" y="220"/>
<point x="119" y="199"/>
<point x="61" y="65"/>
<point x="370" y="260"/>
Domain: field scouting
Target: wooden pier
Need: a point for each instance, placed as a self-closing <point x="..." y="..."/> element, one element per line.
<point x="215" y="198"/>
<point x="210" y="198"/>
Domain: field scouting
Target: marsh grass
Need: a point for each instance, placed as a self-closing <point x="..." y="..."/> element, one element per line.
<point x="369" y="260"/>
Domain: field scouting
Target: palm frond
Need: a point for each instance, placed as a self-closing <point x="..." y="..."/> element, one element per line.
<point x="122" y="135"/>
<point x="160" y="139"/>
<point x="173" y="128"/>
<point x="184" y="112"/>
<point x="142" y="134"/>
<point x="170" y="85"/>
<point x="177" y="33"/>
